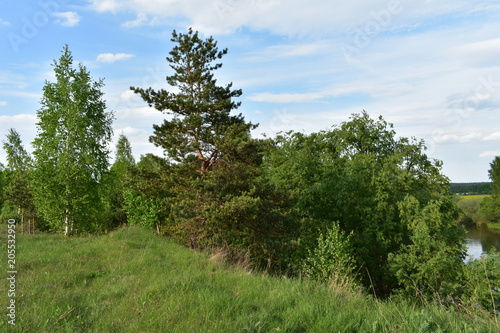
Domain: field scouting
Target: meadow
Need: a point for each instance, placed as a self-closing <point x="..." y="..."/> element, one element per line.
<point x="132" y="280"/>
<point x="477" y="197"/>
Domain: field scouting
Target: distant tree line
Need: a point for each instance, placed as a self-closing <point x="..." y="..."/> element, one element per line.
<point x="353" y="203"/>
<point x="482" y="188"/>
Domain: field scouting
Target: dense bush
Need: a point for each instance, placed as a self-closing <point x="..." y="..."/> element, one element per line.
<point x="431" y="263"/>
<point x="481" y="293"/>
<point x="359" y="174"/>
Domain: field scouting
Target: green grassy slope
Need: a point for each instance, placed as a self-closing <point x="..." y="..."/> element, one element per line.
<point x="134" y="281"/>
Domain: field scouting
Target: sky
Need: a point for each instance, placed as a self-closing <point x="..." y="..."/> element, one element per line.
<point x="432" y="67"/>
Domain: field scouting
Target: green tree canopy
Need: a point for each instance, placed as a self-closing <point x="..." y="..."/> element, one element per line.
<point x="358" y="173"/>
<point x="71" y="148"/>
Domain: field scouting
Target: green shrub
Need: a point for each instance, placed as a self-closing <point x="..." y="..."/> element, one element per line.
<point x="142" y="210"/>
<point x="331" y="260"/>
<point x="432" y="263"/>
<point x="482" y="290"/>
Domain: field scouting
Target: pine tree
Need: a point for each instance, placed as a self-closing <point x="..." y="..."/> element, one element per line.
<point x="202" y="125"/>
<point x="71" y="148"/>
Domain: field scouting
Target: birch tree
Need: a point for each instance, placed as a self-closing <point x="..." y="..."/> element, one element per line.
<point x="18" y="191"/>
<point x="71" y="148"/>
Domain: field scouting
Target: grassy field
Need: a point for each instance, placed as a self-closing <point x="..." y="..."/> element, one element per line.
<point x="134" y="281"/>
<point x="481" y="196"/>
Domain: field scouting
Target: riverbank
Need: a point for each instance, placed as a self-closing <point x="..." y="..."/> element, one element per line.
<point x="494" y="226"/>
<point x="131" y="280"/>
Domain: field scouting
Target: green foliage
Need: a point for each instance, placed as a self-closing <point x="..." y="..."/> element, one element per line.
<point x="115" y="183"/>
<point x="71" y="149"/>
<point x="482" y="291"/>
<point x="9" y="211"/>
<point x="124" y="152"/>
<point x="230" y="208"/>
<point x="17" y="189"/>
<point x="472" y="211"/>
<point x="331" y="260"/>
<point x="494" y="174"/>
<point x="144" y="191"/>
<point x="490" y="207"/>
<point x="250" y="214"/>
<point x="201" y="122"/>
<point x="142" y="210"/>
<point x="432" y="261"/>
<point x="357" y="174"/>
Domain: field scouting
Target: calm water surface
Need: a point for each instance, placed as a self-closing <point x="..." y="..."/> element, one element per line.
<point x="480" y="241"/>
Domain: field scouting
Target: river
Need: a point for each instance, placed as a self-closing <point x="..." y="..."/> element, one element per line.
<point x="480" y="241"/>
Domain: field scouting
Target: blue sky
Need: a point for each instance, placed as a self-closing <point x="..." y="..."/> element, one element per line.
<point x="430" y="67"/>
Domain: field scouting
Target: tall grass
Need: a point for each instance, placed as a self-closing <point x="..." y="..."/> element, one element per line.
<point x="134" y="281"/>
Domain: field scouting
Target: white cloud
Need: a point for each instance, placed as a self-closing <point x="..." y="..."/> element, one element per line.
<point x="291" y="17"/>
<point x="110" y="57"/>
<point x="490" y="153"/>
<point x="492" y="136"/>
<point x="67" y="19"/>
<point x="482" y="53"/>
<point x="3" y="22"/>
<point x="127" y="95"/>
<point x="458" y="137"/>
<point x="143" y="117"/>
<point x="286" y="97"/>
<point x="3" y="103"/>
<point x="293" y="50"/>
<point x="140" y="20"/>
<point x="105" y="5"/>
